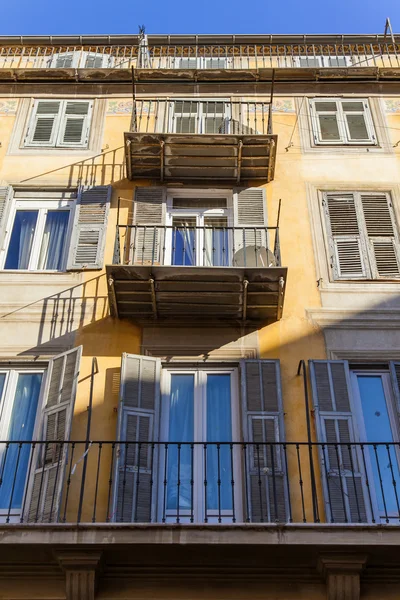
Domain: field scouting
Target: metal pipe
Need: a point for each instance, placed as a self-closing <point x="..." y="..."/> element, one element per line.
<point x="95" y="370"/>
<point x="302" y="368"/>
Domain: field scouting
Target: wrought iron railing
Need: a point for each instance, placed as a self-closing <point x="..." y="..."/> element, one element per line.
<point x="205" y="116"/>
<point x="318" y="52"/>
<point x="198" y="482"/>
<point x="185" y="244"/>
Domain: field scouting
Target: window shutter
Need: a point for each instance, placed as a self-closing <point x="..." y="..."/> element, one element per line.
<point x="341" y="465"/>
<point x="135" y="476"/>
<point x="45" y="487"/>
<point x="263" y="424"/>
<point x="149" y="216"/>
<point x="250" y="236"/>
<point x="346" y="247"/>
<point x="395" y="377"/>
<point x="382" y="234"/>
<point x="75" y="124"/>
<point x="89" y="229"/>
<point x="43" y="127"/>
<point x="5" y="202"/>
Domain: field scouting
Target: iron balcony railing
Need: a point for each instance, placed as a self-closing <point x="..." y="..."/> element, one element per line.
<point x="184" y="244"/>
<point x="198" y="482"/>
<point x="373" y="51"/>
<point x="202" y="116"/>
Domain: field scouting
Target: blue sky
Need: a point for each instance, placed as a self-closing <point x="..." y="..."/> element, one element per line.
<point x="41" y="17"/>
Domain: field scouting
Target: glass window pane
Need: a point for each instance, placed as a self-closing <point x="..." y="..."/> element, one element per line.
<point x="219" y="429"/>
<point x="325" y="106"/>
<point x="216" y="242"/>
<point x="353" y="106"/>
<point x="329" y="127"/>
<point x="181" y="429"/>
<point x="310" y="61"/>
<point x="183" y="241"/>
<point x="14" y="462"/>
<point x="336" y="61"/>
<point x="199" y="203"/>
<point x="357" y="127"/>
<point x="53" y="242"/>
<point x="378" y="429"/>
<point x="19" y="249"/>
<point x="64" y="61"/>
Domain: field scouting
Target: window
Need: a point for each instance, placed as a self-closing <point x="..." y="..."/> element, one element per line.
<point x="344" y="121"/>
<point x="362" y="235"/>
<point x="200" y="62"/>
<point x="39" y="235"/>
<point x="189" y="116"/>
<point x="81" y="59"/>
<point x="59" y="124"/>
<point x="200" y="406"/>
<point x="19" y="402"/>
<point x="377" y="423"/>
<point x="198" y="232"/>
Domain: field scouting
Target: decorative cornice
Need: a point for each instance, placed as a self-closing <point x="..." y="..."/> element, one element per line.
<point x="337" y="318"/>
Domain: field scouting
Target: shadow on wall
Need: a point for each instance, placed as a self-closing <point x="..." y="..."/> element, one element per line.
<point x="102" y="169"/>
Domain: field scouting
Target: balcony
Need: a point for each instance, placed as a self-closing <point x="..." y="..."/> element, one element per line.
<point x="193" y="140"/>
<point x="217" y="483"/>
<point x="186" y="274"/>
<point x="94" y="56"/>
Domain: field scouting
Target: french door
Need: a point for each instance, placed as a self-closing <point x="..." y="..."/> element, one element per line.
<point x="199" y="238"/>
<point x="377" y="423"/>
<point x="200" y="478"/>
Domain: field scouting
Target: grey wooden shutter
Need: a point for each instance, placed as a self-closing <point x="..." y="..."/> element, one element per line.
<point x="250" y="238"/>
<point x="45" y="487"/>
<point x="395" y="377"/>
<point x="135" y="467"/>
<point x="346" y="244"/>
<point x="74" y="129"/>
<point x="263" y="425"/>
<point x="341" y="465"/>
<point x="43" y="127"/>
<point x="89" y="229"/>
<point x="149" y="218"/>
<point x="5" y="202"/>
<point x="383" y="237"/>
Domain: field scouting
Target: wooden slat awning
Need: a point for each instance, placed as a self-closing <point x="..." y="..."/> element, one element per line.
<point x="181" y="157"/>
<point x="173" y="294"/>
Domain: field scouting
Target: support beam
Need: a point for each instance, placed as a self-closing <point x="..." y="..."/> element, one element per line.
<point x="342" y="575"/>
<point x="81" y="569"/>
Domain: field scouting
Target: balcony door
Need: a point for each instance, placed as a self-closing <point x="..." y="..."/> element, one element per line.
<point x="199" y="232"/>
<point x="200" y="411"/>
<point x="377" y="423"/>
<point x="199" y="116"/>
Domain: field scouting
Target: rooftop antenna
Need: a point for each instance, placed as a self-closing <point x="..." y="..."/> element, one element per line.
<point x="144" y="61"/>
<point x="142" y="30"/>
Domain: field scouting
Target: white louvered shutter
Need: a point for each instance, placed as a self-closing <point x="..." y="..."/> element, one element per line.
<point x="135" y="475"/>
<point x="383" y="237"/>
<point x="89" y="229"/>
<point x="45" y="486"/>
<point x="250" y="238"/>
<point x="75" y="124"/>
<point x="148" y="235"/>
<point x="395" y="377"/>
<point x="5" y="202"/>
<point x="44" y="123"/>
<point x="346" y="244"/>
<point x="263" y="423"/>
<point x="342" y="468"/>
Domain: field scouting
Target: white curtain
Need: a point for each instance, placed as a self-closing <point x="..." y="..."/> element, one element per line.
<point x="216" y="247"/>
<point x="53" y="243"/>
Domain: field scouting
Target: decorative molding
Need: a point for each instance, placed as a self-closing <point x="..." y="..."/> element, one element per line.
<point x="354" y="319"/>
<point x="8" y="107"/>
<point x="342" y="575"/>
<point x="81" y="569"/>
<point x="392" y="105"/>
<point x="283" y="105"/>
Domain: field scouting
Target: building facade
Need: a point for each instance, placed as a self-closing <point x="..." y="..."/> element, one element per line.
<point x="199" y="317"/>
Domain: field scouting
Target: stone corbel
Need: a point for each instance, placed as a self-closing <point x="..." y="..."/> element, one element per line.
<point x="342" y="575"/>
<point x="81" y="568"/>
